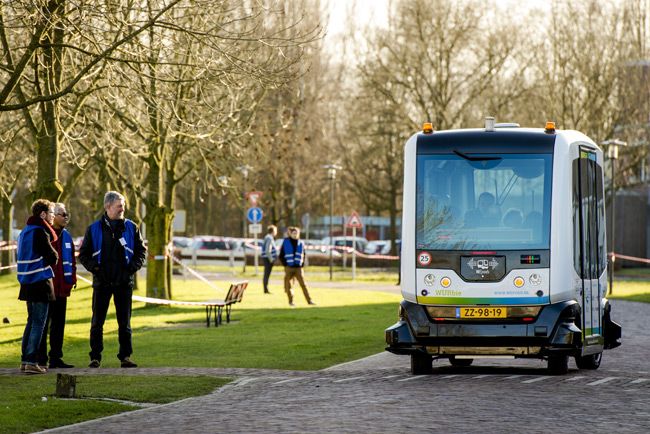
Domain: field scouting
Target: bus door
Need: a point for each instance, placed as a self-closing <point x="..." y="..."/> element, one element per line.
<point x="589" y="240"/>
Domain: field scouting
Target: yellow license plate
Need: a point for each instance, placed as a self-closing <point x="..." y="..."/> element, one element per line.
<point x="481" y="312"/>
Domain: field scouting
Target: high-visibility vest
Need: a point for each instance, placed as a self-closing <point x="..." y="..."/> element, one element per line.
<point x="294" y="259"/>
<point x="274" y="252"/>
<point x="129" y="239"/>
<point x="67" y="254"/>
<point x="31" y="268"/>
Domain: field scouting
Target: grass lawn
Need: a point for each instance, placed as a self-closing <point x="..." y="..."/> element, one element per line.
<point x="633" y="290"/>
<point x="264" y="331"/>
<point x="27" y="403"/>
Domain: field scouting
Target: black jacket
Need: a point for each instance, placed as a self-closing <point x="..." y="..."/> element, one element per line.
<point x="113" y="271"/>
<point x="43" y="290"/>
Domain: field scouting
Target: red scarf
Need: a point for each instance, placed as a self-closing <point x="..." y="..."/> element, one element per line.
<point x="37" y="221"/>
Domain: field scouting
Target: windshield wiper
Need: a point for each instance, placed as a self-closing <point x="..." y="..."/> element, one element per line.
<point x="467" y="157"/>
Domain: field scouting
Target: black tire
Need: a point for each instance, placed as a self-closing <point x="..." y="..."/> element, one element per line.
<point x="461" y="363"/>
<point x="421" y="364"/>
<point x="591" y="361"/>
<point x="558" y="364"/>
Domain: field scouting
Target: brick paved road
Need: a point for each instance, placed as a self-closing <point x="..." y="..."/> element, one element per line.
<point x="378" y="395"/>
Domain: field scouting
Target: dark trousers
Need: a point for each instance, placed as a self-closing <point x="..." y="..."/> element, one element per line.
<point x="101" y="300"/>
<point x="268" y="267"/>
<point x="55" y="327"/>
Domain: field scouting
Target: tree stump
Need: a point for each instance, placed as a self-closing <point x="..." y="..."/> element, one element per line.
<point x="65" y="385"/>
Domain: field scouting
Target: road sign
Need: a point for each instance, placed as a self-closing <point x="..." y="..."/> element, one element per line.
<point x="253" y="197"/>
<point x="254" y="214"/>
<point x="354" y="221"/>
<point x="255" y="228"/>
<point x="178" y="224"/>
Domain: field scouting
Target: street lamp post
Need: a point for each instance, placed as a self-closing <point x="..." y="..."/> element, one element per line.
<point x="612" y="155"/>
<point x="331" y="175"/>
<point x="244" y="169"/>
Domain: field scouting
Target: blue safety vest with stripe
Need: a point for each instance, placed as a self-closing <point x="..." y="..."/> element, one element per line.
<point x="274" y="252"/>
<point x="31" y="267"/>
<point x="128" y="235"/>
<point x="294" y="259"/>
<point x="67" y="254"/>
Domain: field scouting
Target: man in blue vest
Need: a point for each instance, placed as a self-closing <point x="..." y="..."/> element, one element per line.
<point x="269" y="255"/>
<point x="292" y="256"/>
<point x="36" y="256"/>
<point x="65" y="278"/>
<point x="113" y="251"/>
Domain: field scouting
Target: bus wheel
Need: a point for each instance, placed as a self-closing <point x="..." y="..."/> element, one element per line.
<point x="421" y="364"/>
<point x="591" y="361"/>
<point x="460" y="362"/>
<point x="558" y="364"/>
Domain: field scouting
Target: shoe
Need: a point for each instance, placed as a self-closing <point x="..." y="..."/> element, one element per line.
<point x="35" y="369"/>
<point x="292" y="304"/>
<point x="267" y="292"/>
<point x="127" y="363"/>
<point x="312" y="303"/>
<point x="22" y="367"/>
<point x="59" y="364"/>
<point x="94" y="363"/>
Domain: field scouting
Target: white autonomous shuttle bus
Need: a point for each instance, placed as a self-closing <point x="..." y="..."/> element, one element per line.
<point x="503" y="248"/>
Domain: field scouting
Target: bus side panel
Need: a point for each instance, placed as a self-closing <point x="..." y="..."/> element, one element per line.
<point x="563" y="278"/>
<point x="407" y="267"/>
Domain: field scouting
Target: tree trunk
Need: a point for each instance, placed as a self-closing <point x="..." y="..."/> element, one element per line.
<point x="48" y="185"/>
<point x="158" y="220"/>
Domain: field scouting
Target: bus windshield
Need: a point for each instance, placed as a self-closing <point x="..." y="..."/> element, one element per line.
<point x="483" y="201"/>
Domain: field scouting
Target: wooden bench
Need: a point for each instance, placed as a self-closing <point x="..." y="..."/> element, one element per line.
<point x="213" y="308"/>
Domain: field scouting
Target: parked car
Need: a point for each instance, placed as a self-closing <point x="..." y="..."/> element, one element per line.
<point x="381" y="247"/>
<point x="182" y="242"/>
<point x="359" y="243"/>
<point x="206" y="246"/>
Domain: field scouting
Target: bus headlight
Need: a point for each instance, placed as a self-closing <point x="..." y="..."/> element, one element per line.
<point x="445" y="282"/>
<point x="519" y="281"/>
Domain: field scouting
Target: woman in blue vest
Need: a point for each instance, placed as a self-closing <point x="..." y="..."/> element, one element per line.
<point x="36" y="256"/>
<point x="113" y="251"/>
<point x="65" y="278"/>
<point x="292" y="256"/>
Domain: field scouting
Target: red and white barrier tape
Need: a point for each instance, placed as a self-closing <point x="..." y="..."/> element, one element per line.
<point x="193" y="272"/>
<point x="6" y="267"/>
<point x="84" y="279"/>
<point x="615" y="256"/>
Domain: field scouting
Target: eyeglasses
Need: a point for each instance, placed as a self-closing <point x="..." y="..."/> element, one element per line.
<point x="64" y="214"/>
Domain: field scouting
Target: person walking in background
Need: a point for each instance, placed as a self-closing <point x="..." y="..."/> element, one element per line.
<point x="113" y="251"/>
<point x="269" y="255"/>
<point x="65" y="278"/>
<point x="292" y="256"/>
<point x="36" y="256"/>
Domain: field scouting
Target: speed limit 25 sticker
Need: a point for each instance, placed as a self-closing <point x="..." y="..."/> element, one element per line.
<point x="424" y="258"/>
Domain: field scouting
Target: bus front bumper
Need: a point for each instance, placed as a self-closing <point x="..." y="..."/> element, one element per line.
<point x="552" y="331"/>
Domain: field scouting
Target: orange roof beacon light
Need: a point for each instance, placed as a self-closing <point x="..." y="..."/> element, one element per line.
<point x="427" y="128"/>
<point x="550" y="127"/>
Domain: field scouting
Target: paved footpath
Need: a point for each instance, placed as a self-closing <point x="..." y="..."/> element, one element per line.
<point x="377" y="394"/>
